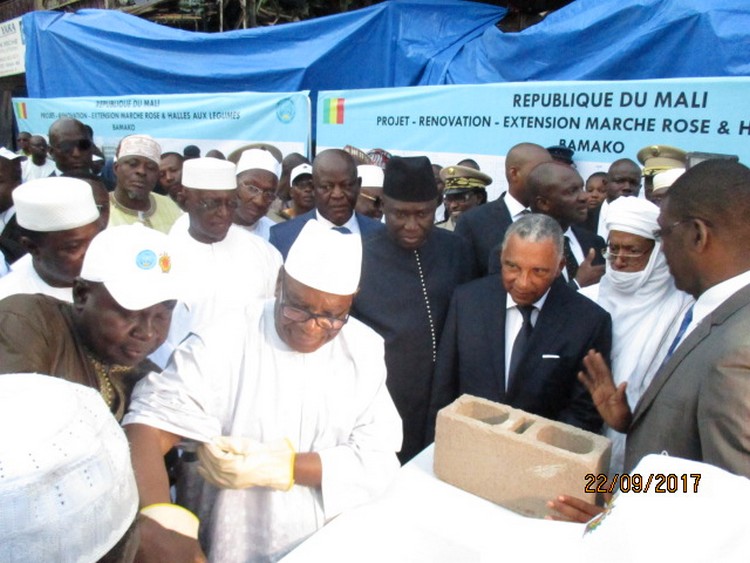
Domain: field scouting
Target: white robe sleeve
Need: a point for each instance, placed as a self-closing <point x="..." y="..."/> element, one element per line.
<point x="361" y="469"/>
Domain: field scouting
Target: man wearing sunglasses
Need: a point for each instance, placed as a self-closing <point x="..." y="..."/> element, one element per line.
<point x="288" y="400"/>
<point x="257" y="179"/>
<point x="70" y="146"/>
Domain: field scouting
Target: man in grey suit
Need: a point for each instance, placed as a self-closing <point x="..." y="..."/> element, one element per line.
<point x="698" y="404"/>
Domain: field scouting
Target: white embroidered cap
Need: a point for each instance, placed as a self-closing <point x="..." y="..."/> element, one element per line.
<point x="632" y="215"/>
<point x="135" y="265"/>
<point x="53" y="204"/>
<point x="372" y="176"/>
<point x="209" y="174"/>
<point x="140" y="145"/>
<point x="258" y="159"/>
<point x="325" y="259"/>
<point x="67" y="489"/>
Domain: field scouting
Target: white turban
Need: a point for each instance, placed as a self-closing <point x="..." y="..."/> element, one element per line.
<point x="633" y="215"/>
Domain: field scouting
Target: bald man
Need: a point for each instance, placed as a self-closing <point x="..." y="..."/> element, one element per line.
<point x="485" y="226"/>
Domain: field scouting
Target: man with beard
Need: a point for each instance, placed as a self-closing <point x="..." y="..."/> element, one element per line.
<point x="137" y="171"/>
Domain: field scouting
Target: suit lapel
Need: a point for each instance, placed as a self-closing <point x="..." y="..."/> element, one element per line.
<point x="494" y="321"/>
<point x="700" y="333"/>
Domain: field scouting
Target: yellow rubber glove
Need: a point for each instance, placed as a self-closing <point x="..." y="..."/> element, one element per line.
<point x="235" y="462"/>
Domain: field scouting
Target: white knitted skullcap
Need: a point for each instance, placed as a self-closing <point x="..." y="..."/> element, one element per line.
<point x="54" y="204"/>
<point x="325" y="259"/>
<point x="209" y="174"/>
<point x="258" y="159"/>
<point x="67" y="490"/>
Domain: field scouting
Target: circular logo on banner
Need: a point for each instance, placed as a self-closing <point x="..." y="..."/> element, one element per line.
<point x="285" y="110"/>
<point x="146" y="259"/>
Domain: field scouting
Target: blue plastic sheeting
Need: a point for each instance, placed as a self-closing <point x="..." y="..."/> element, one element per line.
<point x="396" y="43"/>
<point x="104" y="52"/>
<point x="613" y="40"/>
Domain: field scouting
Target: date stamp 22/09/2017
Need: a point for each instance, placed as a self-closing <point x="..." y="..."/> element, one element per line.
<point x="637" y="483"/>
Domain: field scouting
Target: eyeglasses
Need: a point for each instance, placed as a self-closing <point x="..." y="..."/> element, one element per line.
<point x="69" y="146"/>
<point x="613" y="252"/>
<point x="659" y="234"/>
<point x="297" y="315"/>
<point x="376" y="200"/>
<point x="255" y="191"/>
<point x="214" y="204"/>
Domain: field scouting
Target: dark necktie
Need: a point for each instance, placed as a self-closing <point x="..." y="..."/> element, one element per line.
<point x="521" y="343"/>
<point x="680" y="333"/>
<point x="344" y="230"/>
<point x="571" y="264"/>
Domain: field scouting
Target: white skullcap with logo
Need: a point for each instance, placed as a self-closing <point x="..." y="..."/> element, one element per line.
<point x="633" y="215"/>
<point x="209" y="173"/>
<point x="300" y="170"/>
<point x="67" y="490"/>
<point x="53" y="204"/>
<point x="140" y="145"/>
<point x="135" y="265"/>
<point x="258" y="159"/>
<point x="325" y="259"/>
<point x="372" y="176"/>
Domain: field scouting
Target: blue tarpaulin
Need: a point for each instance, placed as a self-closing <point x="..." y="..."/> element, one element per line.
<point x="395" y="43"/>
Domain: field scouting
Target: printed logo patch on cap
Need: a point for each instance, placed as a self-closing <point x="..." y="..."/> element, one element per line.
<point x="165" y="263"/>
<point x="146" y="259"/>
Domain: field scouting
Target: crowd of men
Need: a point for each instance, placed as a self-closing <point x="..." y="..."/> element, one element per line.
<point x="295" y="326"/>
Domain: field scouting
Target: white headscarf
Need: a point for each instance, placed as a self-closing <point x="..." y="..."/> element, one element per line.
<point x="646" y="308"/>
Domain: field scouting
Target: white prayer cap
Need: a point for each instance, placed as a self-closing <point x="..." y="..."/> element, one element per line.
<point x="632" y="215"/>
<point x="372" y="176"/>
<point x="683" y="511"/>
<point x="325" y="259"/>
<point x="134" y="264"/>
<point x="54" y="204"/>
<point x="67" y="489"/>
<point x="664" y="180"/>
<point x="209" y="174"/>
<point x="9" y="155"/>
<point x="258" y="159"/>
<point x="300" y="170"/>
<point x="140" y="145"/>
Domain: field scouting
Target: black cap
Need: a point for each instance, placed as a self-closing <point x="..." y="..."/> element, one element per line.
<point x="561" y="154"/>
<point x="410" y="179"/>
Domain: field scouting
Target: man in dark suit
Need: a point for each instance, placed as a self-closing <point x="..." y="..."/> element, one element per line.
<point x="519" y="338"/>
<point x="336" y="188"/>
<point x="409" y="272"/>
<point x="484" y="226"/>
<point x="556" y="189"/>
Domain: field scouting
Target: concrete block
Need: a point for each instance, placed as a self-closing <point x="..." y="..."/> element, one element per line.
<point x="513" y="458"/>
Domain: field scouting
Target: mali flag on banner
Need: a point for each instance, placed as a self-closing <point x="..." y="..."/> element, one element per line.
<point x="333" y="111"/>
<point x="21" y="110"/>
